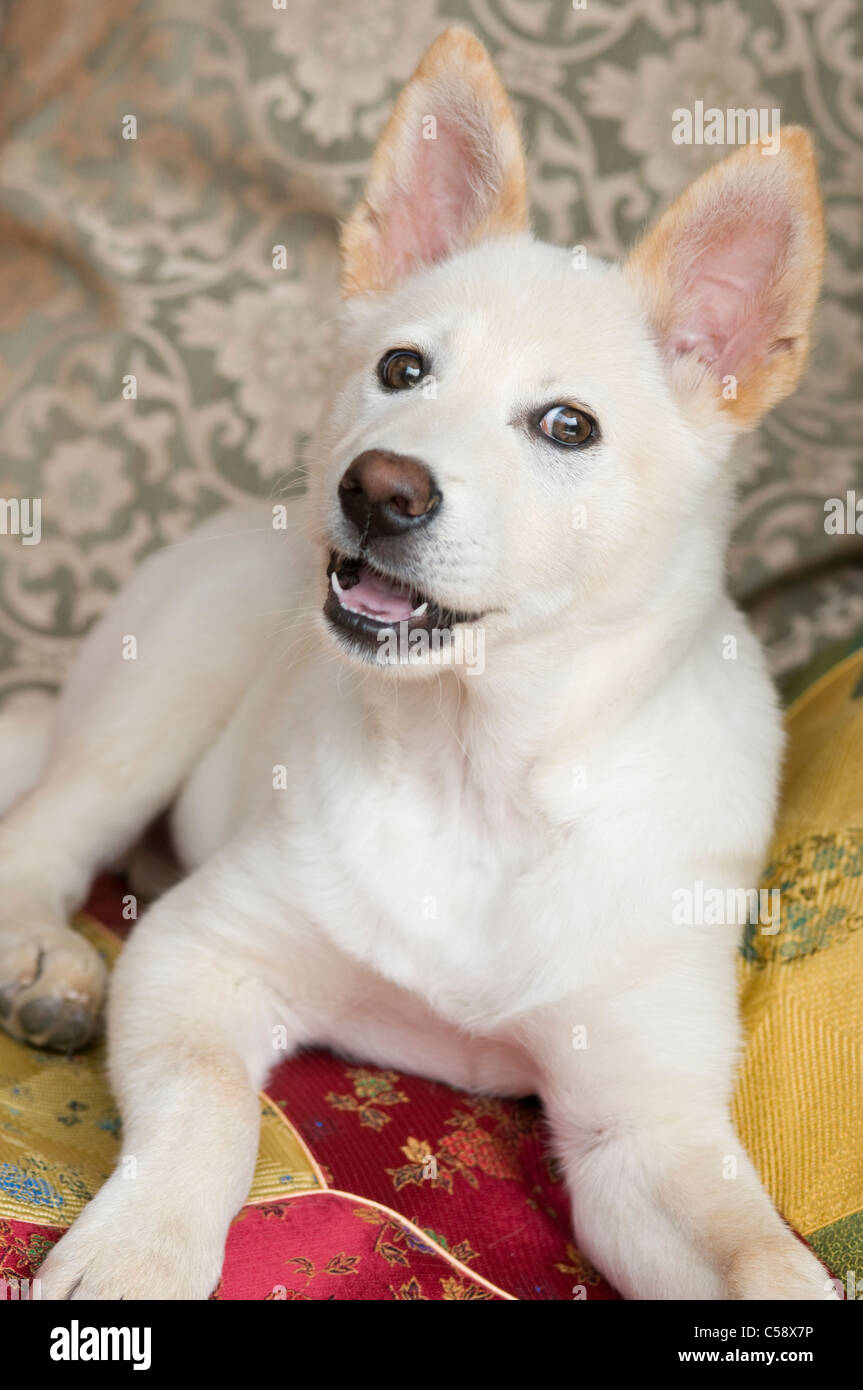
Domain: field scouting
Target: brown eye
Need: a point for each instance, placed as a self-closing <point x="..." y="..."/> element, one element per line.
<point x="401" y="369"/>
<point x="566" y="425"/>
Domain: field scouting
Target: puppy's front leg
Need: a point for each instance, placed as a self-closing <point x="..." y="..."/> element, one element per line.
<point x="191" y="1038"/>
<point x="665" y="1202"/>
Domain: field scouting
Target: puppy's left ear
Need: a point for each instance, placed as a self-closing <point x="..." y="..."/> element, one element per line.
<point x="448" y="170"/>
<point x="731" y="273"/>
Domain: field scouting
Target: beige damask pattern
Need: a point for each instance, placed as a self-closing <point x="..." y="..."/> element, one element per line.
<point x="153" y="257"/>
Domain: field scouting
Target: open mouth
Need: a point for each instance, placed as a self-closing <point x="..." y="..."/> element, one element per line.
<point x="364" y="602"/>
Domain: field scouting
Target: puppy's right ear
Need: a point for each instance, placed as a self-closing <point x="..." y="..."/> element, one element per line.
<point x="730" y="276"/>
<point x="448" y="170"/>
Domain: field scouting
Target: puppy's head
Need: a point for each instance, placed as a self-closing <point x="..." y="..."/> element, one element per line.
<point x="519" y="440"/>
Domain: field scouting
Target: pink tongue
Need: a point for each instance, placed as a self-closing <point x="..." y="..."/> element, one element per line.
<point x="378" y="597"/>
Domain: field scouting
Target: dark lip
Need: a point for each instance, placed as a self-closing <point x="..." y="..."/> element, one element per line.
<point x="365" y="630"/>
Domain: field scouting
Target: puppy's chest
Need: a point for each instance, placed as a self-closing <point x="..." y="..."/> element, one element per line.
<point x="423" y="879"/>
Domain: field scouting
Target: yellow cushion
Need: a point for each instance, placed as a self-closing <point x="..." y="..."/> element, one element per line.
<point x="799" y="1101"/>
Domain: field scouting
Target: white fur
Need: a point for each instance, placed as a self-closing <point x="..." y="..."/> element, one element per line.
<point x="438" y="888"/>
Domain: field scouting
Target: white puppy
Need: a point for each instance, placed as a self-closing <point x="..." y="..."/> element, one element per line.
<point x="434" y="813"/>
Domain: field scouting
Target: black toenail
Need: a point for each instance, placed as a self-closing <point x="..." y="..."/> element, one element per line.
<point x="38" y="1015"/>
<point x="72" y="1030"/>
<point x="7" y="995"/>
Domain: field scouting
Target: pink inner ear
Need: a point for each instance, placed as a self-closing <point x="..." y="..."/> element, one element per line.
<point x="434" y="211"/>
<point x="723" y="280"/>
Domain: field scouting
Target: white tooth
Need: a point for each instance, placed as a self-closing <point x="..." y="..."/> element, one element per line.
<point x="336" y="585"/>
<point x="418" y="612"/>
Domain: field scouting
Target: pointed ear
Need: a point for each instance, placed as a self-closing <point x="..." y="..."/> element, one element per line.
<point x="731" y="273"/>
<point x="448" y="170"/>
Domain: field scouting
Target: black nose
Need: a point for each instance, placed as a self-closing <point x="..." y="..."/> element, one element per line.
<point x="385" y="494"/>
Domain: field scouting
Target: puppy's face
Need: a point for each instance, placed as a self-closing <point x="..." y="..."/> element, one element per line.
<point x="503" y="443"/>
<point x="517" y="440"/>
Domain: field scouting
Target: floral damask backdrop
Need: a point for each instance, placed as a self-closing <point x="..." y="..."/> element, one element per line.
<point x="153" y="257"/>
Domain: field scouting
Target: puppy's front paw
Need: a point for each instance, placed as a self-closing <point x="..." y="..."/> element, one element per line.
<point x="52" y="983"/>
<point x="126" y="1246"/>
<point x="778" y="1267"/>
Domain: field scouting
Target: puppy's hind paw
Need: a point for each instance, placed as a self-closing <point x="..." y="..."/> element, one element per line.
<point x="52" y="984"/>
